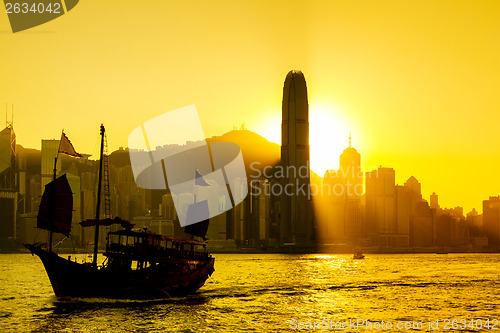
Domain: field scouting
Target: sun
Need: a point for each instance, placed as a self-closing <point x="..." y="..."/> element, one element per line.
<point x="328" y="137"/>
<point x="271" y="127"/>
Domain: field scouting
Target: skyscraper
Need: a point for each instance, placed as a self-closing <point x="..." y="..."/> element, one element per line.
<point x="491" y="220"/>
<point x="8" y="158"/>
<point x="350" y="169"/>
<point x="380" y="205"/>
<point x="296" y="225"/>
<point x="343" y="189"/>
<point x="415" y="192"/>
<point x="49" y="153"/>
<point x="434" y="201"/>
<point x="8" y="188"/>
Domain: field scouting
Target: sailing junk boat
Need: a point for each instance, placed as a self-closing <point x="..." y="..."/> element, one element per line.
<point x="139" y="264"/>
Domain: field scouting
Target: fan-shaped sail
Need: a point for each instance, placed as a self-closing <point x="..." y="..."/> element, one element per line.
<point x="198" y="212"/>
<point x="56" y="207"/>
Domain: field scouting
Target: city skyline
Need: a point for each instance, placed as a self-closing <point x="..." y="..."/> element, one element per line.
<point x="287" y="210"/>
<point x="415" y="83"/>
<point x="343" y="171"/>
<point x="387" y="216"/>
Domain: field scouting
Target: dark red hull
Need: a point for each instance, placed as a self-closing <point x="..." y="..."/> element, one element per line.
<point x="174" y="277"/>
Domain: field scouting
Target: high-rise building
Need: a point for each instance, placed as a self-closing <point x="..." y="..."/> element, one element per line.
<point x="380" y="196"/>
<point x="50" y="150"/>
<point x="258" y="219"/>
<point x="402" y="216"/>
<point x="423" y="218"/>
<point x="8" y="188"/>
<point x="350" y="170"/>
<point x="415" y="193"/>
<point x="434" y="201"/>
<point x="343" y="190"/>
<point x="296" y="225"/>
<point x="475" y="222"/>
<point x="423" y="225"/>
<point x="380" y="206"/>
<point x="491" y="220"/>
<point x="8" y="158"/>
<point x="333" y="228"/>
<point x="414" y="186"/>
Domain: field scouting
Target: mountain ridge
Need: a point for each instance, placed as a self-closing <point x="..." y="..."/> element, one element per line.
<point x="254" y="148"/>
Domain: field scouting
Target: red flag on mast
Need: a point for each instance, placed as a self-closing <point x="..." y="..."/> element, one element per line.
<point x="66" y="147"/>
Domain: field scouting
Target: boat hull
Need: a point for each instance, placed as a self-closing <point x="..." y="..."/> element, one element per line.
<point x="71" y="279"/>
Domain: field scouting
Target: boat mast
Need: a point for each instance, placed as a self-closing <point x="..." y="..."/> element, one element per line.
<point x="96" y="238"/>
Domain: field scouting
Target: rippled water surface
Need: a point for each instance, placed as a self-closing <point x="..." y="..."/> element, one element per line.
<point x="264" y="292"/>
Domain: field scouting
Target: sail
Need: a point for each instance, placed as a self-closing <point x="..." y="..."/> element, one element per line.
<point x="198" y="212"/>
<point x="56" y="207"/>
<point x="198" y="229"/>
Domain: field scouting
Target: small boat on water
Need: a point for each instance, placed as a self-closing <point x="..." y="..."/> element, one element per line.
<point x="138" y="264"/>
<point x="358" y="255"/>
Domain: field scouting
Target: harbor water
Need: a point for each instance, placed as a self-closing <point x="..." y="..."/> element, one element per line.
<point x="276" y="292"/>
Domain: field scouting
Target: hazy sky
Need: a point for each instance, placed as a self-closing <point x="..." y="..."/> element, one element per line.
<point x="417" y="82"/>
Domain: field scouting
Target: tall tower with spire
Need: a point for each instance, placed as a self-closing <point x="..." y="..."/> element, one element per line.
<point x="344" y="188"/>
<point x="296" y="226"/>
<point x="350" y="169"/>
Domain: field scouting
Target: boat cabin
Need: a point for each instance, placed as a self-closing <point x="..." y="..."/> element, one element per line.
<point x="141" y="249"/>
<point x="144" y="243"/>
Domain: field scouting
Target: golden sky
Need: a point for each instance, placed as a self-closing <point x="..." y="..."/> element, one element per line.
<point x="417" y="82"/>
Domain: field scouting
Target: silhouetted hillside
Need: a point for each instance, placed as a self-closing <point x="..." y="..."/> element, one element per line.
<point x="254" y="147"/>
